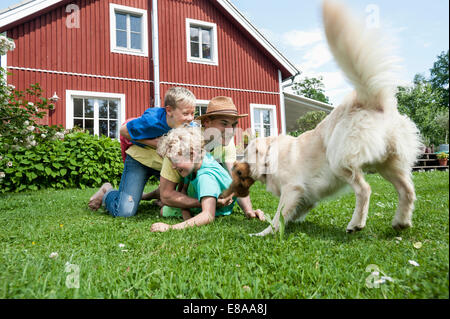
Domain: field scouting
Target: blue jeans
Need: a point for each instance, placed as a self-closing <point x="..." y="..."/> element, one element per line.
<point x="125" y="201"/>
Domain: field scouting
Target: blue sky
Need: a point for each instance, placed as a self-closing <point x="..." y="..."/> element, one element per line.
<point x="294" y="27"/>
<point x="420" y="30"/>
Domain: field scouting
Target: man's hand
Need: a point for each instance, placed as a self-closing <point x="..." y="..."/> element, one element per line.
<point x="159" y="227"/>
<point x="256" y="214"/>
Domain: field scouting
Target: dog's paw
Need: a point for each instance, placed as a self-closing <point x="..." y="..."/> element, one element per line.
<point x="354" y="228"/>
<point x="265" y="232"/>
<point x="401" y="226"/>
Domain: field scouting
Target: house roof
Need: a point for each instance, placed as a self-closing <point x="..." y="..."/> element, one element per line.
<point x="297" y="105"/>
<point x="29" y="9"/>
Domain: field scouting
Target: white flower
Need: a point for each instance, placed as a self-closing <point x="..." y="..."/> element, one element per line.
<point x="9" y="164"/>
<point x="398" y="238"/>
<point x="2" y="174"/>
<point x="43" y="135"/>
<point x="121" y="245"/>
<point x="53" y="255"/>
<point x="30" y="128"/>
<point x="59" y="135"/>
<point x="414" y="263"/>
<point x="417" y="245"/>
<point x="30" y="103"/>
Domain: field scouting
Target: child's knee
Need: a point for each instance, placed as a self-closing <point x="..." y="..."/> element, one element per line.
<point x="128" y="207"/>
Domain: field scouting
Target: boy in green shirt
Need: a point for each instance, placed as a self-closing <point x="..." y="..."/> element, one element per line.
<point x="207" y="178"/>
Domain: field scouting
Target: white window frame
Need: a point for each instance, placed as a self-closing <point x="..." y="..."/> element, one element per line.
<point x="200" y="103"/>
<point x="113" y="8"/>
<point x="273" y="108"/>
<point x="71" y="94"/>
<point x="214" y="42"/>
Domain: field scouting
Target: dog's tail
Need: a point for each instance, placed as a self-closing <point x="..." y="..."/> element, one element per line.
<point x="362" y="55"/>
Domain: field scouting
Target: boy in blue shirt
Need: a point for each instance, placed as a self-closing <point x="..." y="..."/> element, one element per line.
<point x="142" y="161"/>
<point x="206" y="177"/>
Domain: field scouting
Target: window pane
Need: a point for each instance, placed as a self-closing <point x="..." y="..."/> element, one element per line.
<point x="121" y="21"/>
<point x="78" y="107"/>
<point x="89" y="108"/>
<point x="135" y="23"/>
<point x="258" y="131"/>
<point x="136" y="41"/>
<point x="194" y="50"/>
<point x="257" y="114"/>
<point x="194" y="34"/>
<point x="206" y="51"/>
<point x="78" y="122"/>
<point x="203" y="109"/>
<point x="267" y="130"/>
<point x="89" y="126"/>
<point x="206" y="36"/>
<point x="266" y="117"/>
<point x="103" y="127"/>
<point x="113" y="109"/>
<point x="113" y="129"/>
<point x="121" y="38"/>
<point x="103" y="109"/>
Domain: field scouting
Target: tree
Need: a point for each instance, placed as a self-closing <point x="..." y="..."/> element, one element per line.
<point x="308" y="122"/>
<point x="421" y="103"/>
<point x="312" y="88"/>
<point x="439" y="78"/>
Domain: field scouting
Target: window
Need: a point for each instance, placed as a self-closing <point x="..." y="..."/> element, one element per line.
<point x="128" y="28"/>
<point x="200" y="107"/>
<point x="263" y="120"/>
<point x="201" y="42"/>
<point x="98" y="113"/>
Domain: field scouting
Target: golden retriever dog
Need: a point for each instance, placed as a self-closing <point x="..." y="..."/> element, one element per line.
<point x="364" y="132"/>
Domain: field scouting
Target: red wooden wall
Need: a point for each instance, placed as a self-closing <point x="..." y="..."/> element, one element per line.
<point x="83" y="59"/>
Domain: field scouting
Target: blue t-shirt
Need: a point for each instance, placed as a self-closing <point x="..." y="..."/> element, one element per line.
<point x="151" y="124"/>
<point x="210" y="181"/>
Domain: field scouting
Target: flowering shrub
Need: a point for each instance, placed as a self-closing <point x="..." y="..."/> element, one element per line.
<point x="34" y="156"/>
<point x="19" y="115"/>
<point x="78" y="160"/>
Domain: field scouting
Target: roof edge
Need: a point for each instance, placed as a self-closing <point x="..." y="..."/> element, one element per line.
<point x="253" y="31"/>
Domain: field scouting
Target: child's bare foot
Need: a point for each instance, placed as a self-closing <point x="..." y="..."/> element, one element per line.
<point x="96" y="200"/>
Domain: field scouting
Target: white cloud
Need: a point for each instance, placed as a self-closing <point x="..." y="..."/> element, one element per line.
<point x="299" y="39"/>
<point x="316" y="56"/>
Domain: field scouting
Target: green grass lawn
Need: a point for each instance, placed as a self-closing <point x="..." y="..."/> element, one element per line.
<point x="314" y="259"/>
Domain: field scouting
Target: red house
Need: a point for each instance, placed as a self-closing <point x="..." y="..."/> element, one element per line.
<point x="108" y="60"/>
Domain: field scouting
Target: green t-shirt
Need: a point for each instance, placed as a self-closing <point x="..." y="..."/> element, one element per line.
<point x="210" y="180"/>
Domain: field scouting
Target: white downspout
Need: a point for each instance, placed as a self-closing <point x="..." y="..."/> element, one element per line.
<point x="282" y="108"/>
<point x="155" y="53"/>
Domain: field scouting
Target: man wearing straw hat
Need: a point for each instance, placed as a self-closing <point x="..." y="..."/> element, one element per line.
<point x="219" y="123"/>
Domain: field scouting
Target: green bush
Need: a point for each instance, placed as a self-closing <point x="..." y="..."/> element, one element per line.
<point x="78" y="160"/>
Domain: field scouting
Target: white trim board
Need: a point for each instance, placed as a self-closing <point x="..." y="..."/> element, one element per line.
<point x="214" y="42"/>
<point x="70" y="94"/>
<point x="113" y="8"/>
<point x="273" y="108"/>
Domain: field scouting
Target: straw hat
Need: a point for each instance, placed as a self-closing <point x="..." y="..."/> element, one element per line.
<point x="221" y="105"/>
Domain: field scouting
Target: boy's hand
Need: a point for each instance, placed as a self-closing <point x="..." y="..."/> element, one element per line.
<point x="159" y="227"/>
<point x="256" y="213"/>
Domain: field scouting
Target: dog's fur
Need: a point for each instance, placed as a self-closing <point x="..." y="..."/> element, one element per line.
<point x="364" y="132"/>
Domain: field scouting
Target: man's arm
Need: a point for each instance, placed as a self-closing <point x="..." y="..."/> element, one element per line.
<point x="245" y="202"/>
<point x="171" y="197"/>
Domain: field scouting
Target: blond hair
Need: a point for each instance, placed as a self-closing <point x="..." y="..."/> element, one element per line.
<point x="176" y="95"/>
<point x="184" y="141"/>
